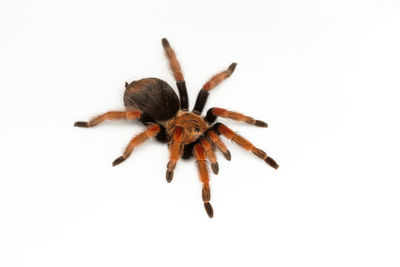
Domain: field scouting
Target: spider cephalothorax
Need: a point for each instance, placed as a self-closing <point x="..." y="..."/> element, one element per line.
<point x="155" y="103"/>
<point x="192" y="124"/>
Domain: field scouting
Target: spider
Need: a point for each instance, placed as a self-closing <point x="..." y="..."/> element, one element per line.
<point x="168" y="119"/>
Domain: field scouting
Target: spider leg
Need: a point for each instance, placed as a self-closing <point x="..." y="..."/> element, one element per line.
<point x="151" y="131"/>
<point x="210" y="154"/>
<point x="175" y="152"/>
<point x="228" y="133"/>
<point x="176" y="69"/>
<point x="214" y="138"/>
<point x="111" y="115"/>
<point x="200" y="156"/>
<point x="213" y="113"/>
<point x="209" y="85"/>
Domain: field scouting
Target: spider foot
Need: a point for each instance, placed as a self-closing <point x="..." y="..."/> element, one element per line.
<point x="261" y="124"/>
<point x="170" y="171"/>
<point x="271" y="162"/>
<point x="215" y="167"/>
<point x="232" y="67"/>
<point x="118" y="160"/>
<point x="227" y="155"/>
<point x="169" y="175"/>
<point x="209" y="209"/>
<point x="165" y="43"/>
<point x="81" y="124"/>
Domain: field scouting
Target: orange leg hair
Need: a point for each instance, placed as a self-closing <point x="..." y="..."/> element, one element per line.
<point x="210" y="154"/>
<point x="111" y="115"/>
<point x="173" y="61"/>
<point x="175" y="152"/>
<point x="218" y="78"/>
<point x="228" y="133"/>
<point x="221" y="112"/>
<point x="200" y="156"/>
<point x="214" y="138"/>
<point x="151" y="131"/>
<point x="209" y="85"/>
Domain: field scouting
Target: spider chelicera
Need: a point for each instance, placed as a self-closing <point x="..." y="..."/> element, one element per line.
<point x="167" y="118"/>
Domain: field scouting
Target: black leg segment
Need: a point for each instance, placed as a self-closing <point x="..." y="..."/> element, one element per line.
<point x="183" y="96"/>
<point x="201" y="101"/>
<point x="210" y="117"/>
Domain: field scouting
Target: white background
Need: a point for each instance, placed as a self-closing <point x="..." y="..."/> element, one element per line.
<point x="323" y="74"/>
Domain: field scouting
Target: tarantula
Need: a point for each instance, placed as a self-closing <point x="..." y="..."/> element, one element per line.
<point x="167" y="118"/>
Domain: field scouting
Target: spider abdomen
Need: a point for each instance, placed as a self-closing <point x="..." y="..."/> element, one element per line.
<point x="153" y="97"/>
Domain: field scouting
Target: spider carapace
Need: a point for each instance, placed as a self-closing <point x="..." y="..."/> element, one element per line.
<point x="167" y="118"/>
